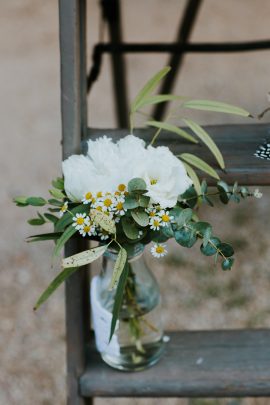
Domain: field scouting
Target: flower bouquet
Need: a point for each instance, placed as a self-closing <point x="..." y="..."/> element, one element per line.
<point x="125" y="195"/>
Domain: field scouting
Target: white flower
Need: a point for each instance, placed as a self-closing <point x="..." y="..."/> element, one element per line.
<point x="159" y="250"/>
<point x="155" y="223"/>
<point x="80" y="176"/>
<point x="165" y="216"/>
<point x="109" y="166"/>
<point x="87" y="229"/>
<point x="88" y="198"/>
<point x="165" y="176"/>
<point x="257" y="193"/>
<point x="63" y="209"/>
<point x="80" y="220"/>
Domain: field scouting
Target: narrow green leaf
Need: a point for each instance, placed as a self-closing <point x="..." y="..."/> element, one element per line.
<point x="55" y="202"/>
<point x="36" y="221"/>
<point x="207" y="140"/>
<point x="58" y="183"/>
<point x="200" y="164"/>
<point x="149" y="87"/>
<point x="63" y="239"/>
<point x="195" y="179"/>
<point x="140" y="217"/>
<point x="21" y="201"/>
<point x="51" y="218"/>
<point x="57" y="194"/>
<point x="36" y="201"/>
<point x="160" y="98"/>
<point x="44" y="236"/>
<point x="118" y="268"/>
<point x="208" y="105"/>
<point x="54" y="285"/>
<point x="119" y="298"/>
<point x="83" y="258"/>
<point x="172" y="128"/>
<point x="103" y="221"/>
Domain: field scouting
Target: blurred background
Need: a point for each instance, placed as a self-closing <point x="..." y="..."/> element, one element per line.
<point x="32" y="345"/>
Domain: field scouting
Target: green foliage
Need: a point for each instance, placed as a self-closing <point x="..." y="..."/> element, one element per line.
<point x="119" y="298"/>
<point x="227" y="263"/>
<point x="208" y="105"/>
<point x="148" y="88"/>
<point x="84" y="258"/>
<point x="137" y="185"/>
<point x="57" y="194"/>
<point x="190" y="197"/>
<point x="54" y="285"/>
<point x="140" y="217"/>
<point x="51" y="218"/>
<point x="20" y="201"/>
<point x="160" y="98"/>
<point x="172" y="128"/>
<point x="66" y="235"/>
<point x="103" y="221"/>
<point x="206" y="139"/>
<point x="118" y="267"/>
<point x="130" y="228"/>
<point x="131" y="202"/>
<point x="223" y="189"/>
<point x="55" y="202"/>
<point x="199" y="164"/>
<point x="44" y="236"/>
<point x="37" y="221"/>
<point x="58" y="183"/>
<point x="211" y="247"/>
<point x="195" y="179"/>
<point x="185" y="237"/>
<point x="36" y="201"/>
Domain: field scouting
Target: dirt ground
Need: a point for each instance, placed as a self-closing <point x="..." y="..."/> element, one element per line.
<point x="32" y="346"/>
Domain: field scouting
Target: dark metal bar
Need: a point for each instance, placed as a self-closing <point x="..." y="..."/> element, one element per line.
<point x="206" y="47"/>
<point x="72" y="15"/>
<point x="225" y="47"/>
<point x="112" y="14"/>
<point x="176" y="59"/>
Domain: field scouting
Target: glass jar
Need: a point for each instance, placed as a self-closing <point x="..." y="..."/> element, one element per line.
<point x="137" y="342"/>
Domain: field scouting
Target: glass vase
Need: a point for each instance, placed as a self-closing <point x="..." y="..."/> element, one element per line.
<point x="137" y="342"/>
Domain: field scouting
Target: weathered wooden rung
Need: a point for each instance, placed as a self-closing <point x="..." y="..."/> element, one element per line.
<point x="228" y="363"/>
<point x="237" y="143"/>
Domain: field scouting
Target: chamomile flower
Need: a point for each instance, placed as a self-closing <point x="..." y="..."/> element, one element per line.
<point x="165" y="216"/>
<point x="80" y="220"/>
<point x="119" y="206"/>
<point x="155" y="223"/>
<point x="88" y="198"/>
<point x="159" y="250"/>
<point x="99" y="194"/>
<point x="108" y="203"/>
<point x="87" y="229"/>
<point x="63" y="209"/>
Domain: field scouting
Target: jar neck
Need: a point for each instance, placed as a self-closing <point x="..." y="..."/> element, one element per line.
<point x="134" y="252"/>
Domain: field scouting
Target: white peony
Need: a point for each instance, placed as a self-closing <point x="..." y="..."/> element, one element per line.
<point x="165" y="176"/>
<point x="80" y="177"/>
<point x="109" y="164"/>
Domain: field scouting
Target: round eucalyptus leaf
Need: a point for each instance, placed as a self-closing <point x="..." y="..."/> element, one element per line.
<point x="227" y="264"/>
<point x="211" y="248"/>
<point x="136" y="184"/>
<point x="185" y="237"/>
<point x="226" y="249"/>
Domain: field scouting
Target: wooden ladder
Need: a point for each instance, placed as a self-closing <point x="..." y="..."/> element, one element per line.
<point x="232" y="362"/>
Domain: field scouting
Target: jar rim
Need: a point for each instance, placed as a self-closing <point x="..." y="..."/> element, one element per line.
<point x="137" y="250"/>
